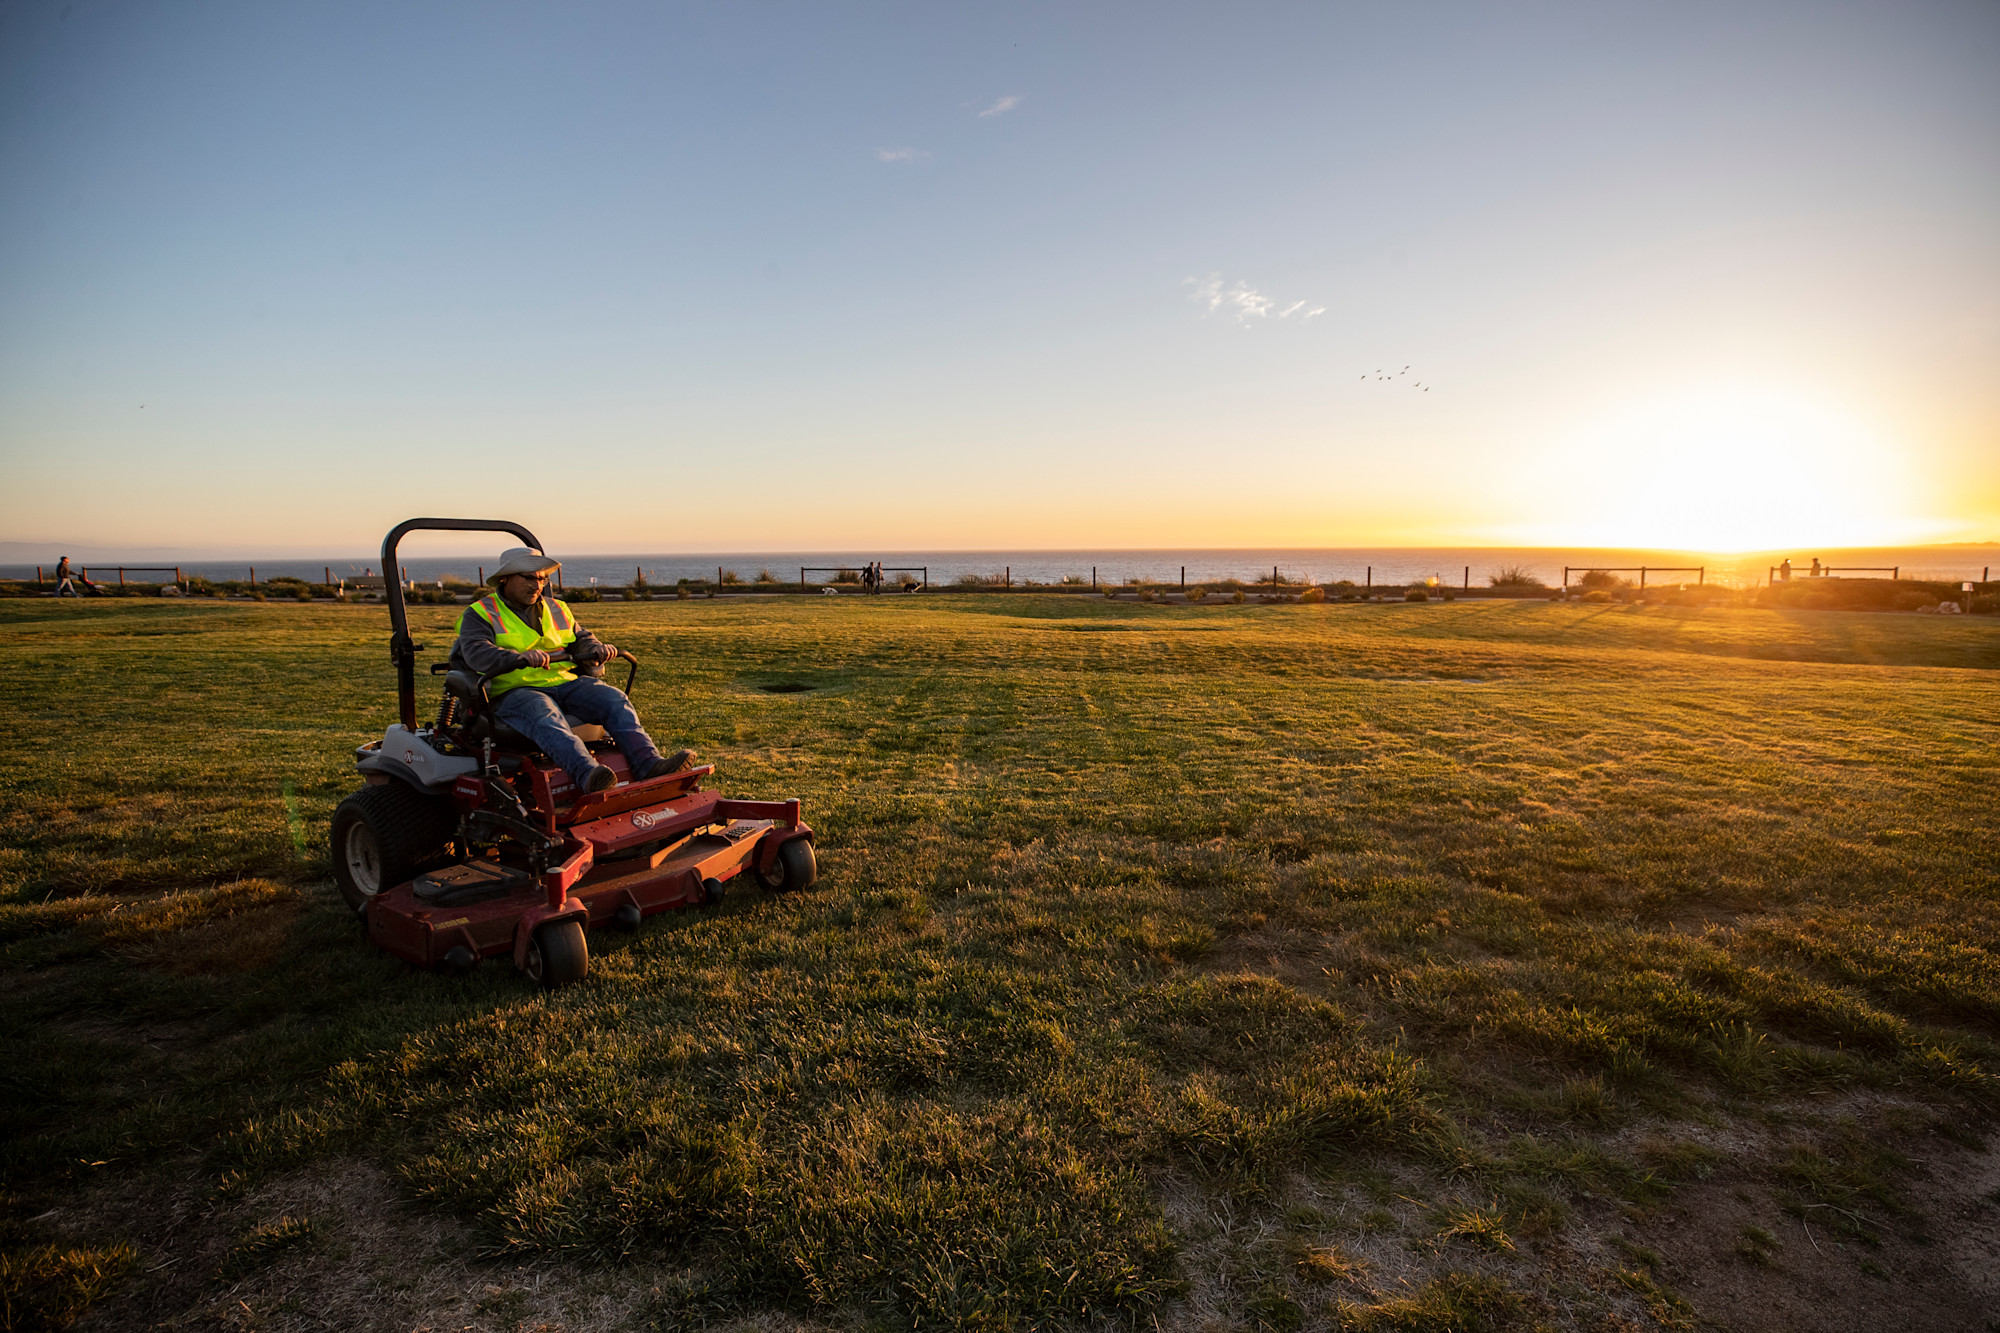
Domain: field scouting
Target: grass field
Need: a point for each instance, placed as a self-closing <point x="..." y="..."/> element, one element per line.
<point x="1486" y="965"/>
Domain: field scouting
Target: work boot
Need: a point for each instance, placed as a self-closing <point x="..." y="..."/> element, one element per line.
<point x="680" y="761"/>
<point x="599" y="779"/>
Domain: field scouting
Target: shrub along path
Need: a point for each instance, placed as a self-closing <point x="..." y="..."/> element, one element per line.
<point x="1444" y="966"/>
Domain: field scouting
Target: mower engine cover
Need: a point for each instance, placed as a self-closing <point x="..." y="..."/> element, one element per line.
<point x="408" y="755"/>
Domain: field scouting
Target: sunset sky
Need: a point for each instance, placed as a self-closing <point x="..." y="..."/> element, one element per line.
<point x="777" y="276"/>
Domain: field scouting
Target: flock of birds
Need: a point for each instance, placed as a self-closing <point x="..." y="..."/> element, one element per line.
<point x="1385" y="376"/>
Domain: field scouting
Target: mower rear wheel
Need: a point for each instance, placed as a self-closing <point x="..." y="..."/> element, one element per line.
<point x="793" y="868"/>
<point x="557" y="954"/>
<point x="384" y="835"/>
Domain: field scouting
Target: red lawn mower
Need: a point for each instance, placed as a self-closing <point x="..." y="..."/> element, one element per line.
<point x="468" y="842"/>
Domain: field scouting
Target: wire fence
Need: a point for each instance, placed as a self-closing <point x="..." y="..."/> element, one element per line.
<point x="1699" y="571"/>
<point x="1146" y="574"/>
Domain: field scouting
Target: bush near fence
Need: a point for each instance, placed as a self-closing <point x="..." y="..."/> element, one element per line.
<point x="1858" y="595"/>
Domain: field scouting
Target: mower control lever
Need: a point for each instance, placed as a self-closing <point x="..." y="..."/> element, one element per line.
<point x="630" y="675"/>
<point x="633" y="673"/>
<point x="442" y="668"/>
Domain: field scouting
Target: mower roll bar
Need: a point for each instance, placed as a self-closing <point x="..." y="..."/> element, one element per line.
<point x="402" y="651"/>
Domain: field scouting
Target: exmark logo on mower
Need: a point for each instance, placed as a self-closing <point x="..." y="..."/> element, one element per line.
<point x="648" y="818"/>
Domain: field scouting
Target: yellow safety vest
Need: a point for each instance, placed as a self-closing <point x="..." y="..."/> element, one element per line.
<point x="558" y="632"/>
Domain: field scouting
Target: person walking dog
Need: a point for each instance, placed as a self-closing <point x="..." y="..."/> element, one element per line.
<point x="512" y="636"/>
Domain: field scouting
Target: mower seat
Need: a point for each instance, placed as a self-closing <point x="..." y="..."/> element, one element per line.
<point x="473" y="697"/>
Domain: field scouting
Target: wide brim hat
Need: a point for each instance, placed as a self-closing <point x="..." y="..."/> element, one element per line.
<point x="522" y="560"/>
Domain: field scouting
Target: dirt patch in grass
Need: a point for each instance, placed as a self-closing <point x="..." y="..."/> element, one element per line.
<point x="339" y="1246"/>
<point x="1745" y="1252"/>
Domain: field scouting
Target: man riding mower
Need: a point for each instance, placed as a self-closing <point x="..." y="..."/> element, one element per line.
<point x="525" y="644"/>
<point x="508" y="827"/>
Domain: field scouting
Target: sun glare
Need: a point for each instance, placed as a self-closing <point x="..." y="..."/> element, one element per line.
<point x="1732" y="471"/>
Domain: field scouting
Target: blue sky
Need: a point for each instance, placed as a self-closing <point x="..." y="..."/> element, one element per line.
<point x="775" y="276"/>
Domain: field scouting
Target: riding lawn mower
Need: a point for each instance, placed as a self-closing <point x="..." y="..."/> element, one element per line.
<point x="467" y="842"/>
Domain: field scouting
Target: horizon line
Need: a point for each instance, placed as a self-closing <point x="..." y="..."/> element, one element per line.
<point x="11" y="551"/>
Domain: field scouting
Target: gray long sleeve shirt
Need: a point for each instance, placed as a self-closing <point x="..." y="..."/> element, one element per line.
<point x="478" y="648"/>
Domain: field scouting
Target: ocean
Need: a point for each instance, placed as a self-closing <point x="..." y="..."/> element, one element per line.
<point x="1453" y="566"/>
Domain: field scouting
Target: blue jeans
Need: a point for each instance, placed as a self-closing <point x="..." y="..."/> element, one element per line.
<point x="538" y="714"/>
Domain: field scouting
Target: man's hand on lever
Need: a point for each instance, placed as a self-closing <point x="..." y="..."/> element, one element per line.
<point x="535" y="657"/>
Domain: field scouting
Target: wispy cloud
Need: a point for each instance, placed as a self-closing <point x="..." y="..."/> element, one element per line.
<point x="900" y="154"/>
<point x="1242" y="302"/>
<point x="1001" y="107"/>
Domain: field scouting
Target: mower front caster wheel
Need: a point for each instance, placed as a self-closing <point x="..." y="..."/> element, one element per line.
<point x="557" y="955"/>
<point x="793" y="868"/>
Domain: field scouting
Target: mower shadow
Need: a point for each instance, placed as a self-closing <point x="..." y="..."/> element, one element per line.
<point x="304" y="959"/>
